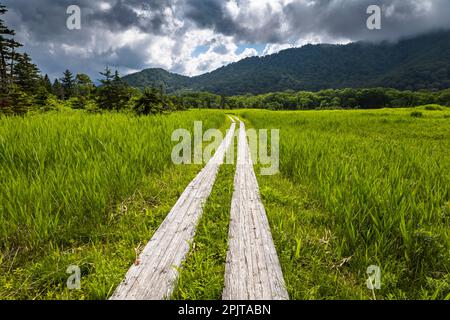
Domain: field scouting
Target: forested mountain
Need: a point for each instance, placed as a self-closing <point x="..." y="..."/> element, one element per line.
<point x="417" y="63"/>
<point x="158" y="77"/>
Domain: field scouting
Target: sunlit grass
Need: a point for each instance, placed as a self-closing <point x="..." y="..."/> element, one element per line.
<point x="357" y="188"/>
<point x="86" y="190"/>
<point x="378" y="183"/>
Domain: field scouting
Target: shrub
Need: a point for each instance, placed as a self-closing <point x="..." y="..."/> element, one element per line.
<point x="41" y="96"/>
<point x="15" y="101"/>
<point x="84" y="103"/>
<point x="151" y="102"/>
<point x="113" y="96"/>
<point x="50" y="104"/>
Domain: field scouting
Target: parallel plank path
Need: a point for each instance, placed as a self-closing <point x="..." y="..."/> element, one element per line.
<point x="253" y="271"/>
<point x="154" y="278"/>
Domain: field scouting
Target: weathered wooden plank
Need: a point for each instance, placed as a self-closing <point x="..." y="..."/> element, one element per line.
<point x="154" y="278"/>
<point x="253" y="271"/>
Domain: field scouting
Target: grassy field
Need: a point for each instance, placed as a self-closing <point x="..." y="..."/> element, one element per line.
<point x="361" y="188"/>
<point x="357" y="188"/>
<point x="81" y="189"/>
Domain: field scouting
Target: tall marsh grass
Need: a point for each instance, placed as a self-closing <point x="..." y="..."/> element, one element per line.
<point x="383" y="179"/>
<point x="60" y="174"/>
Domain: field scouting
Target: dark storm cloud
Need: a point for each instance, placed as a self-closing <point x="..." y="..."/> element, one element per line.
<point x="46" y="19"/>
<point x="213" y="14"/>
<point x="347" y="19"/>
<point x="332" y="18"/>
<point x="123" y="15"/>
<point x="41" y="25"/>
<point x="207" y="13"/>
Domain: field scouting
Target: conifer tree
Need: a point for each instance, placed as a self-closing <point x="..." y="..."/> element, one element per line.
<point x="68" y="84"/>
<point x="47" y="84"/>
<point x="19" y="102"/>
<point x="84" y="85"/>
<point x="57" y="89"/>
<point x="26" y="74"/>
<point x="114" y="94"/>
<point x="8" y="54"/>
<point x="107" y="76"/>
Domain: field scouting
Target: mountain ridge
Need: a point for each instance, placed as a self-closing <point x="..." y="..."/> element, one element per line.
<point x="421" y="62"/>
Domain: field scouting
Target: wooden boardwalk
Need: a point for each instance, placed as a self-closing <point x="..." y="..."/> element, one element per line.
<point x="253" y="271"/>
<point x="155" y="277"/>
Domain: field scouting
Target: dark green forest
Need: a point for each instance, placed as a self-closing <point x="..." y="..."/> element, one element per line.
<point x="375" y="98"/>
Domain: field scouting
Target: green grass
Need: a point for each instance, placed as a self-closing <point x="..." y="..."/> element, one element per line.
<point x="357" y="188"/>
<point x="361" y="188"/>
<point x="80" y="189"/>
<point x="306" y="244"/>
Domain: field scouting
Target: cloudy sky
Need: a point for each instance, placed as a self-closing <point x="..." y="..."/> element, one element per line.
<point x="191" y="37"/>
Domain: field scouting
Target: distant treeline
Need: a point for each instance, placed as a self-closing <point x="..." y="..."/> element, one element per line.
<point x="375" y="98"/>
<point x="79" y="92"/>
